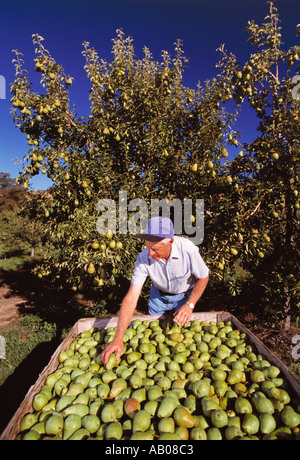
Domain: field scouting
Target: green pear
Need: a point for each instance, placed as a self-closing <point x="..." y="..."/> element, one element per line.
<point x="166" y="425"/>
<point x="91" y="392"/>
<point x="47" y="391"/>
<point x="235" y="376"/>
<point x="167" y="407"/>
<point x="39" y="401"/>
<point x="142" y="436"/>
<point x="151" y="407"/>
<point x="84" y="379"/>
<point x="108" y="376"/>
<point x="169" y="437"/>
<point x="173" y="393"/>
<point x="289" y="417"/>
<point x="80" y="434"/>
<point x="190" y="403"/>
<point x="262" y="404"/>
<point x="125" y="394"/>
<point x="250" y="424"/>
<point x="219" y="418"/>
<point x="257" y="375"/>
<point x="39" y="427"/>
<point x="201" y="388"/>
<point x="214" y="434"/>
<point x="91" y="423"/>
<point x="31" y="435"/>
<point x="198" y="434"/>
<point x="139" y="394"/>
<point x="95" y="406"/>
<point x="271" y="372"/>
<point x="182" y="417"/>
<point x="63" y="402"/>
<point x="200" y="421"/>
<point x="127" y="425"/>
<point x="109" y="413"/>
<point x="72" y="423"/>
<point x="267" y="423"/>
<point x="183" y="433"/>
<point x="54" y="425"/>
<point x="209" y="404"/>
<point x="242" y="405"/>
<point x="117" y="387"/>
<point x="233" y="432"/>
<point x="281" y="395"/>
<point x="82" y="398"/>
<point x="235" y="420"/>
<point x="75" y="389"/>
<point x="125" y="372"/>
<point x="218" y="374"/>
<point x="51" y="379"/>
<point x="114" y="430"/>
<point x="164" y="382"/>
<point x="135" y="381"/>
<point x="61" y="386"/>
<point x="220" y="387"/>
<point x="103" y="390"/>
<point x="141" y="421"/>
<point x="80" y="409"/>
<point x="119" y="405"/>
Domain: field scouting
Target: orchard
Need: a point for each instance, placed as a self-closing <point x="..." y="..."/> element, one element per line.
<point x="150" y="136"/>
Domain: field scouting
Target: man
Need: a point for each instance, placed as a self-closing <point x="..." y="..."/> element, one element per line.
<point x="178" y="273"/>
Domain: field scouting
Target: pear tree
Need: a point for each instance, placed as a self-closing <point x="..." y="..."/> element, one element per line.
<point x="146" y="134"/>
<point x="266" y="171"/>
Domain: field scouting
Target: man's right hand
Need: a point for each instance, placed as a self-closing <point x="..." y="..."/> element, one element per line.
<point x="114" y="346"/>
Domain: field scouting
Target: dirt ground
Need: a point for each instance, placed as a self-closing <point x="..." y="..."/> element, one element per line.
<point x="9" y="306"/>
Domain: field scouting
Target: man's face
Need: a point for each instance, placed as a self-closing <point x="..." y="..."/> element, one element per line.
<point x="158" y="250"/>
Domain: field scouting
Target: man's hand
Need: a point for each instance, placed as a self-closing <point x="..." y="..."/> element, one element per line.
<point x="183" y="314"/>
<point x="115" y="345"/>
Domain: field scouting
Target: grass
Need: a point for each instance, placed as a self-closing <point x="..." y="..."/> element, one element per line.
<point x="21" y="338"/>
<point x="13" y="263"/>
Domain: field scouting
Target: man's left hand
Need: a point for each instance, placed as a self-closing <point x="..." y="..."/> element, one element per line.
<point x="183" y="315"/>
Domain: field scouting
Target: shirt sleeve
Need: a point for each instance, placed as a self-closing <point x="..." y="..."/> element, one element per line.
<point x="198" y="267"/>
<point x="140" y="272"/>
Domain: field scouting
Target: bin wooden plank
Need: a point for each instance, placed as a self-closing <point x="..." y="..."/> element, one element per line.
<point x="13" y="427"/>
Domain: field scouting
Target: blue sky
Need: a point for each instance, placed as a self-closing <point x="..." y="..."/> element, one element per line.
<point x="202" y="25"/>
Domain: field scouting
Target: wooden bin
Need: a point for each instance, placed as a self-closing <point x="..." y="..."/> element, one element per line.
<point x="13" y="427"/>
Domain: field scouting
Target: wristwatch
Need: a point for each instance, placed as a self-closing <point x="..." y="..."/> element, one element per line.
<point x="191" y="305"/>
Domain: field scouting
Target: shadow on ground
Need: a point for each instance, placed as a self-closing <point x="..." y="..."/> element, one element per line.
<point x="14" y="389"/>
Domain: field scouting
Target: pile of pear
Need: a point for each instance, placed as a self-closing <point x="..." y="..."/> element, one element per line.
<point x="202" y="381"/>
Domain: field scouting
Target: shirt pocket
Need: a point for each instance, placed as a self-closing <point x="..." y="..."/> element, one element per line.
<point x="181" y="277"/>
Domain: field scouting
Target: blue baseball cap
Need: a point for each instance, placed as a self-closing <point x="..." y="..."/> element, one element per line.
<point x="158" y="228"/>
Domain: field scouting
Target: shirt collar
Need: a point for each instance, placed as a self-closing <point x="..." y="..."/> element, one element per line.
<point x="174" y="250"/>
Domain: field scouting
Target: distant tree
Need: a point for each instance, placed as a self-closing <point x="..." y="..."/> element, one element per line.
<point x="11" y="194"/>
<point x="19" y="232"/>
